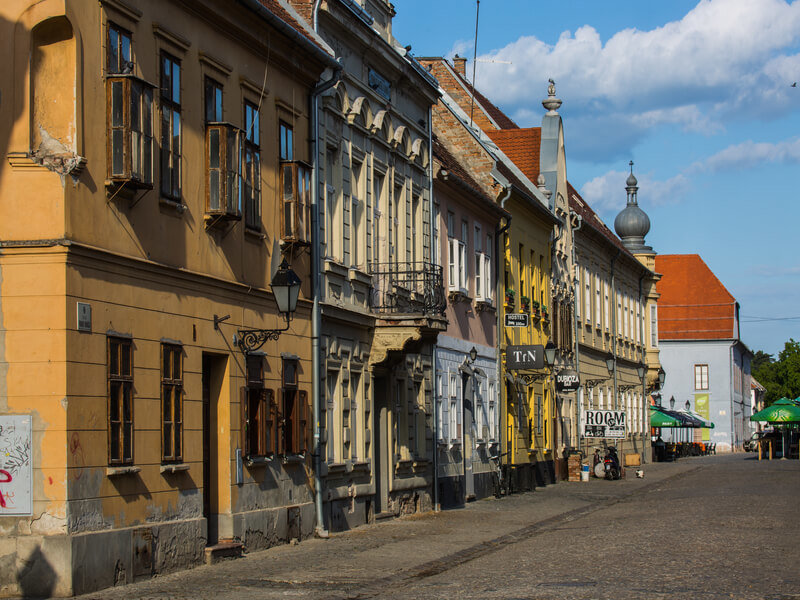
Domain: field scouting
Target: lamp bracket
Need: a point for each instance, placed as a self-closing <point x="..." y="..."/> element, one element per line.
<point x="594" y="382"/>
<point x="625" y="388"/>
<point x="530" y="379"/>
<point x="250" y="340"/>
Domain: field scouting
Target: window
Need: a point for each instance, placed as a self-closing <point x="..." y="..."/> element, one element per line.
<point x="457" y="250"/>
<point x="587" y="295"/>
<point x="296" y="190"/>
<point x="330" y="437"/>
<point x="701" y="377"/>
<point x="378" y="181"/>
<point x="294" y="413"/>
<point x="626" y="316"/>
<point x="653" y="326"/>
<point x="251" y="158"/>
<point x="118" y="50"/>
<point x="606" y="305"/>
<point x="258" y="412"/>
<point x="619" y="314"/>
<point x="539" y="415"/>
<point x="355" y="425"/>
<point x="170" y="128"/>
<point x="129" y="117"/>
<point x="356" y="225"/>
<point x="120" y="401"/>
<point x="223" y="157"/>
<point x="454" y="413"/>
<point x="171" y="403"/>
<point x="597" y="307"/>
<point x="492" y="413"/>
<point x="479" y="275"/>
<point x="440" y="406"/>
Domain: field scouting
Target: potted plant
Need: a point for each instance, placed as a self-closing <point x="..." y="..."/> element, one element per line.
<point x="535" y="306"/>
<point x="509" y="297"/>
<point x="544" y="313"/>
<point x="525" y="304"/>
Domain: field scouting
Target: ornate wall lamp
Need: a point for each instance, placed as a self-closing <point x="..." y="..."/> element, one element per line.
<point x="286" y="289"/>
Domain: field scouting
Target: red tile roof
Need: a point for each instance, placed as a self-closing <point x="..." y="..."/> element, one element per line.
<point x="521" y="146"/>
<point x="694" y="305"/>
<point x="302" y="26"/>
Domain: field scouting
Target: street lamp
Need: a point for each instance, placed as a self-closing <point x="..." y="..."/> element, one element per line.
<point x="672" y="402"/>
<point x="285" y="286"/>
<point x="550" y="353"/>
<point x="661" y="377"/>
<point x="688" y="406"/>
<point x="473" y="354"/>
<point x="640" y="371"/>
<point x="610" y="364"/>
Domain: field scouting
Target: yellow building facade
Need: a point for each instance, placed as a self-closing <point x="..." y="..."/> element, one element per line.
<point x="159" y="154"/>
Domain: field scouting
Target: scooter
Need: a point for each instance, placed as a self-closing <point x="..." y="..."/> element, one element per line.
<point x="611" y="464"/>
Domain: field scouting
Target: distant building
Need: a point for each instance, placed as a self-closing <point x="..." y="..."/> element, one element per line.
<point x="705" y="360"/>
<point x="757" y="393"/>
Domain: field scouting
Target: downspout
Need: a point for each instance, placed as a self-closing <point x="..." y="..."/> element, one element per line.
<point x="315" y="282"/>
<point x="434" y="255"/>
<point x="733" y="413"/>
<point x="641" y="340"/>
<point x="575" y="324"/>
<point x="315" y="15"/>
<point x="614" y="328"/>
<point x="501" y="381"/>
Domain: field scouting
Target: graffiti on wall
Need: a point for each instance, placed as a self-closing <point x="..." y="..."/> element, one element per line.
<point x="15" y="465"/>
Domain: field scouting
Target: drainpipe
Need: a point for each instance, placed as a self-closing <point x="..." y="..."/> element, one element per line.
<point x="575" y="325"/>
<point x="315" y="283"/>
<point x="733" y="413"/>
<point x="641" y="340"/>
<point x="434" y="254"/>
<point x="614" y="328"/>
<point x="501" y="381"/>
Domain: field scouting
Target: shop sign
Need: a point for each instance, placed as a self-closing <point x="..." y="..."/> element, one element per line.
<point x="517" y="319"/>
<point x="525" y="357"/>
<point x="567" y="380"/>
<point x="604" y="424"/>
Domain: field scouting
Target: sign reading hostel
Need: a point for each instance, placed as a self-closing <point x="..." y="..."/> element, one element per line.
<point x="517" y="320"/>
<point x="525" y="357"/>
<point x="604" y="424"/>
<point x="567" y="380"/>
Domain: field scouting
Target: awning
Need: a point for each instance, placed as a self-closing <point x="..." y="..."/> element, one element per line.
<point x="661" y="419"/>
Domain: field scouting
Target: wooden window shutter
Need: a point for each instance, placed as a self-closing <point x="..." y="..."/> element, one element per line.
<point x="280" y="423"/>
<point x="245" y="422"/>
<point x="296" y="424"/>
<point x="271" y="427"/>
<point x="305" y="430"/>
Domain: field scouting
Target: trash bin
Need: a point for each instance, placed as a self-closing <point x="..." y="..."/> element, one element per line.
<point x="584" y="472"/>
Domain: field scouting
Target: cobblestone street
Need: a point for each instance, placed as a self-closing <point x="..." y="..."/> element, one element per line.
<point x="710" y="527"/>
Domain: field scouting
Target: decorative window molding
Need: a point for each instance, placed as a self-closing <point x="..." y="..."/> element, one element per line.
<point x="178" y="42"/>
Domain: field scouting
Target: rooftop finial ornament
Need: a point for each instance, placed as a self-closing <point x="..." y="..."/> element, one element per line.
<point x="551" y="103"/>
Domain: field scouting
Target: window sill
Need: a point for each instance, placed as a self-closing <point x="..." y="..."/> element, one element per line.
<point x="174" y="468"/>
<point x="458" y="296"/>
<point x="254" y="235"/>
<point x="293" y="459"/>
<point x="257" y="461"/>
<point x="357" y="275"/>
<point x="484" y="306"/>
<point x="117" y="471"/>
<point x="335" y="268"/>
<point x="177" y="206"/>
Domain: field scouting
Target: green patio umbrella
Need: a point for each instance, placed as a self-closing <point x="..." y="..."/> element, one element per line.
<point x="779" y="413"/>
<point x="785" y="402"/>
<point x="706" y="424"/>
<point x="660" y="419"/>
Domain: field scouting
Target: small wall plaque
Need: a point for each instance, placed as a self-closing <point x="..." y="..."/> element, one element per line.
<point x="84" y="316"/>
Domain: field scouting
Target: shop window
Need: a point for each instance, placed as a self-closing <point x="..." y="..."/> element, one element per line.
<point x="120" y="401"/>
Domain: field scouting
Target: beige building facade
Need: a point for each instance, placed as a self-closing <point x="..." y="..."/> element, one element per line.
<point x="160" y="152"/>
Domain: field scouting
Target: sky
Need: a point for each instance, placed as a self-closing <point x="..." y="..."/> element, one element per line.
<point x="698" y="94"/>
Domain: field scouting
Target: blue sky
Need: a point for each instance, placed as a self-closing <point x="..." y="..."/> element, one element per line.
<point x="697" y="94"/>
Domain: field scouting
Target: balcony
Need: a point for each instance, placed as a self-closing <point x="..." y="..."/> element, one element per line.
<point x="407" y="288"/>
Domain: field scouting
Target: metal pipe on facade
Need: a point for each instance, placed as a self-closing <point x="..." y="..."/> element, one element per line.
<point x="576" y="289"/>
<point x="501" y="382"/>
<point x="315" y="283"/>
<point x="434" y="256"/>
<point x="614" y="327"/>
<point x="645" y="415"/>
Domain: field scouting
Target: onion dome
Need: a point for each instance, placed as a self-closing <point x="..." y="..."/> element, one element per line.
<point x="632" y="224"/>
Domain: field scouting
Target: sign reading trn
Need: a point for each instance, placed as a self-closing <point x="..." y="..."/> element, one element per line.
<point x="525" y="357"/>
<point x="604" y="424"/>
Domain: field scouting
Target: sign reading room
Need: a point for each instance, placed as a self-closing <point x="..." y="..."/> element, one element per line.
<point x="525" y="357"/>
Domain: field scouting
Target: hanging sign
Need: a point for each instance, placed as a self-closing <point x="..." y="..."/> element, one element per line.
<point x="567" y="380"/>
<point x="604" y="424"/>
<point x="525" y="357"/>
<point x="15" y="465"/>
<point x="518" y="320"/>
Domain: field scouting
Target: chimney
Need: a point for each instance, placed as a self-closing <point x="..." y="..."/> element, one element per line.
<point x="460" y="64"/>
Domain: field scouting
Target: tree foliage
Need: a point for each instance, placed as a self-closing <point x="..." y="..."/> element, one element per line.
<point x="781" y="376"/>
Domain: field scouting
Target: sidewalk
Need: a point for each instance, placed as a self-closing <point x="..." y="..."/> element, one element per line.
<point x="382" y="556"/>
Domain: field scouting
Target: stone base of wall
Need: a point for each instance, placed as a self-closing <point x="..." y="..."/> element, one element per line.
<point x="348" y="513"/>
<point x="65" y="565"/>
<point x="260" y="529"/>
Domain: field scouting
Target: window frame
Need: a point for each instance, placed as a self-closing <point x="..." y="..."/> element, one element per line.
<point x="294" y="414"/>
<point x="259" y="412"/>
<point x="170" y="149"/>
<point x="116" y="376"/>
<point x="250" y="185"/>
<point x="122" y="33"/>
<point x="172" y="385"/>
<point x="701" y="369"/>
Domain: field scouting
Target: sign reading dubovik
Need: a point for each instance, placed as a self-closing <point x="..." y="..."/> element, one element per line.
<point x="604" y="423"/>
<point x="525" y="357"/>
<point x="567" y="380"/>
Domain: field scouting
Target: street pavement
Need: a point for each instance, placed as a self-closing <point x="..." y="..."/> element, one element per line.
<point x="724" y="526"/>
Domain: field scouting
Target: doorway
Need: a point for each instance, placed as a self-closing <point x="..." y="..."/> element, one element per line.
<point x="213" y="376"/>
<point x="381" y="445"/>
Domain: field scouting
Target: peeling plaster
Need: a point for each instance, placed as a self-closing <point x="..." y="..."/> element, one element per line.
<point x="58" y="158"/>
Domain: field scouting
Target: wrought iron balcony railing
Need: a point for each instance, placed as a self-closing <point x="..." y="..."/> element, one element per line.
<point x="407" y="288"/>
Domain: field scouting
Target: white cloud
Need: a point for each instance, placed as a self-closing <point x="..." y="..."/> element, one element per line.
<point x="750" y="154"/>
<point x="722" y="57"/>
<point x="606" y="193"/>
<point x="462" y="48"/>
